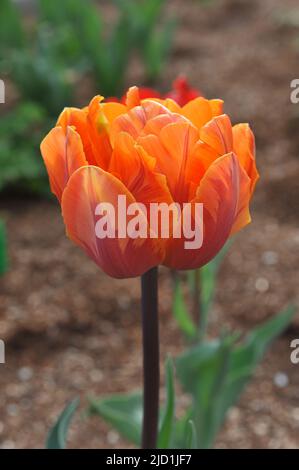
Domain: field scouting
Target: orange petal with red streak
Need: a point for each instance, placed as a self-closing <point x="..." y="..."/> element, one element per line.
<point x="217" y="133"/>
<point x="63" y="153"/>
<point x="135" y="168"/>
<point x="118" y="257"/>
<point x="220" y="192"/>
<point x="172" y="149"/>
<point x="135" y="120"/>
<point x="93" y="125"/>
<point x="244" y="147"/>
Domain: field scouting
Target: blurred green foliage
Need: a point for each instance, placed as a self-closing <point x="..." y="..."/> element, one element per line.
<point x="107" y="51"/>
<point x="20" y="133"/>
<point x="152" y="42"/>
<point x="46" y="58"/>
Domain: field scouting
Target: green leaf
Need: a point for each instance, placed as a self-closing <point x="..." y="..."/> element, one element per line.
<point x="124" y="412"/>
<point x="191" y="435"/>
<point x="58" y="434"/>
<point x="215" y="373"/>
<point x="166" y="427"/>
<point x="3" y="249"/>
<point x="181" y="313"/>
<point x="246" y="356"/>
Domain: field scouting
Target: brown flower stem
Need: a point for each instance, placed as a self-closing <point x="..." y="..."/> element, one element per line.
<point x="151" y="369"/>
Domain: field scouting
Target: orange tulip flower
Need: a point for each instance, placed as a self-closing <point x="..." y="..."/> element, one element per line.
<point x="150" y="150"/>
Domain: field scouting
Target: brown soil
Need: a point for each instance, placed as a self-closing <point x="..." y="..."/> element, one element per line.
<point x="70" y="330"/>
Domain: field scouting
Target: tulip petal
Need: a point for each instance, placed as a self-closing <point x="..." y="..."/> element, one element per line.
<point x="63" y="154"/>
<point x="135" y="120"/>
<point x="77" y="118"/>
<point x="170" y="104"/>
<point x="118" y="257"/>
<point x="244" y="147"/>
<point x="217" y="134"/>
<point x="220" y="191"/>
<point x="156" y="124"/>
<point x="215" y="140"/>
<point x="216" y="107"/>
<point x="93" y="123"/>
<point x="198" y="111"/>
<point x="135" y="168"/>
<point x="172" y="150"/>
<point x="132" y="97"/>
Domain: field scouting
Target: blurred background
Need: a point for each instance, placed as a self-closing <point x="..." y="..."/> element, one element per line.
<point x="69" y="330"/>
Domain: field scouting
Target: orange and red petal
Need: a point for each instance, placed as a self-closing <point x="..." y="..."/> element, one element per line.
<point x="135" y="120"/>
<point x="244" y="147"/>
<point x="220" y="192"/>
<point x="172" y="148"/>
<point x="93" y="125"/>
<point x="118" y="257"/>
<point x="217" y="133"/>
<point x="135" y="168"/>
<point x="63" y="154"/>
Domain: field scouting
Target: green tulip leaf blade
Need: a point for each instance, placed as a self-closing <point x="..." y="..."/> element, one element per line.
<point x="58" y="434"/>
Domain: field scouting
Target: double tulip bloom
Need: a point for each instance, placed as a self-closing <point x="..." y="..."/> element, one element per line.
<point x="151" y="149"/>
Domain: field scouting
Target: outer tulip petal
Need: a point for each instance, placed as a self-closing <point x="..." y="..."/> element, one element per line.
<point x="118" y="257"/>
<point x="63" y="154"/>
<point x="219" y="191"/>
<point x="77" y="118"/>
<point x="242" y="216"/>
<point x="244" y="147"/>
<point x="135" y="168"/>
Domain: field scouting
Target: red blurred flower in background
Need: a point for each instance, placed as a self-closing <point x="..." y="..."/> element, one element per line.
<point x="181" y="92"/>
